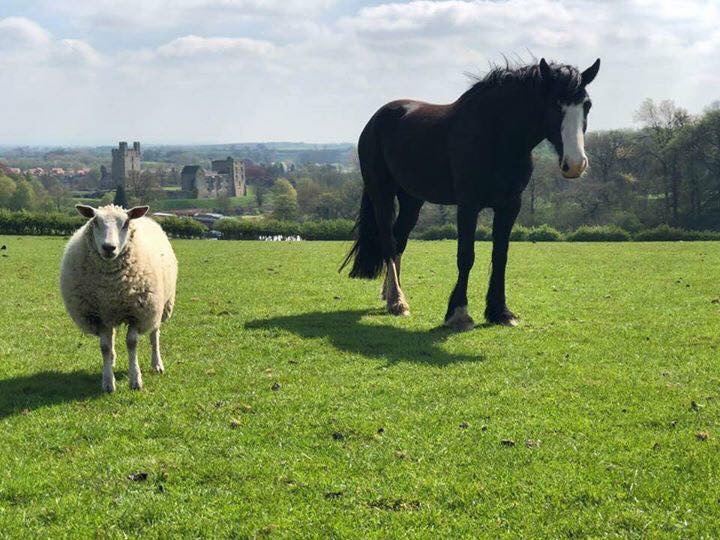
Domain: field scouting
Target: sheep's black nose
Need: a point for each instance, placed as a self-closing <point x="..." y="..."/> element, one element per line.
<point x="109" y="249"/>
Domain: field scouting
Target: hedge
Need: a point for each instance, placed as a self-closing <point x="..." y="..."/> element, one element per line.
<point x="36" y="224"/>
<point x="182" y="227"/>
<point x="250" y="229"/>
<point x="664" y="233"/>
<point x="544" y="233"/>
<point x="56" y="224"/>
<point x="605" y="233"/>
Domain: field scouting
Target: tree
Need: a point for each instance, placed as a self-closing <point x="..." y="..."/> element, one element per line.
<point x="120" y="197"/>
<point x="259" y="195"/>
<point x="662" y="121"/>
<point x="224" y="204"/>
<point x="24" y="197"/>
<point x="7" y="189"/>
<point x="308" y="195"/>
<point x="284" y="200"/>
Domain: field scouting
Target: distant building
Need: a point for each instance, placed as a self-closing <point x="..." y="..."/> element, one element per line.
<point x="125" y="163"/>
<point x="227" y="178"/>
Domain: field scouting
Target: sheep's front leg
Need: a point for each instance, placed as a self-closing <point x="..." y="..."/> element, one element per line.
<point x="107" y="348"/>
<point x="157" y="363"/>
<point x="134" y="374"/>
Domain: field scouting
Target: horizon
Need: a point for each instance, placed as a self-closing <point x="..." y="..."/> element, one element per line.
<point x="209" y="71"/>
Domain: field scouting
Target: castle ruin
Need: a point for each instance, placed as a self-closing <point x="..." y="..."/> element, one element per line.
<point x="125" y="163"/>
<point x="226" y="178"/>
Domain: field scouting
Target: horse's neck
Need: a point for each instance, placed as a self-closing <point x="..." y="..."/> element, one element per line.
<point x="519" y="124"/>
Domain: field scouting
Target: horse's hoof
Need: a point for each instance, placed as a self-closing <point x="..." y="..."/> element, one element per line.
<point x="399" y="308"/>
<point x="504" y="318"/>
<point x="460" y="320"/>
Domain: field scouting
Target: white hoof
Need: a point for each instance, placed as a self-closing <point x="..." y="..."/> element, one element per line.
<point x="399" y="308"/>
<point x="460" y="320"/>
<point x="108" y="385"/>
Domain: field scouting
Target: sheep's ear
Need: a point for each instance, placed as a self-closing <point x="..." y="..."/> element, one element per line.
<point x="85" y="210"/>
<point x="137" y="212"/>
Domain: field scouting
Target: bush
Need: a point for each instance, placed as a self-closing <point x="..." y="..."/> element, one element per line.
<point x="605" y="233"/>
<point x="331" y="229"/>
<point x="38" y="224"/>
<point x="246" y="229"/>
<point x="182" y="227"/>
<point x="544" y="233"/>
<point x="663" y="233"/>
<point x="439" y="232"/>
<point x="519" y="233"/>
<point x="483" y="234"/>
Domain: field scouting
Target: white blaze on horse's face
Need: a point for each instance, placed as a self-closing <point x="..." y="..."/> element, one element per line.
<point x="574" y="161"/>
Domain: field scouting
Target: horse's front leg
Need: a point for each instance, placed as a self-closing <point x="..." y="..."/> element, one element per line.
<point x="457" y="315"/>
<point x="496" y="310"/>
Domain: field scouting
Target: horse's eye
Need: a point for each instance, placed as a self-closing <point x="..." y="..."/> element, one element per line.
<point x="587" y="106"/>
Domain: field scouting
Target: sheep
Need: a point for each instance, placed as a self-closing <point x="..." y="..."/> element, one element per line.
<point x="119" y="268"/>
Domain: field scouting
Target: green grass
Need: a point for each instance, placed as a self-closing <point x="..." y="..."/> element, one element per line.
<point x="381" y="427"/>
<point x="206" y="204"/>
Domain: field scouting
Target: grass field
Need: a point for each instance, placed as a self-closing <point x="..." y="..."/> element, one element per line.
<point x="292" y="406"/>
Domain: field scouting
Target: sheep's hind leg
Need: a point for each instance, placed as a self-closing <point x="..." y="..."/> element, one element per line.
<point x="134" y="374"/>
<point x="157" y="363"/>
<point x="107" y="348"/>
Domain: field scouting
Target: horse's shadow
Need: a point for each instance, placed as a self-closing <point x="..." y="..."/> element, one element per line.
<point x="347" y="332"/>
<point x="20" y="395"/>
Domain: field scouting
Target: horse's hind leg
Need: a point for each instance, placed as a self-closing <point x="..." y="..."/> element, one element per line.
<point x="384" y="204"/>
<point x="407" y="218"/>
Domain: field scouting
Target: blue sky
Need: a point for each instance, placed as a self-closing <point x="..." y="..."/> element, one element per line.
<point x="203" y="71"/>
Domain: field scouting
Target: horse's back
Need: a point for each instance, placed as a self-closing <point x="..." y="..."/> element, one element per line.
<point x="407" y="139"/>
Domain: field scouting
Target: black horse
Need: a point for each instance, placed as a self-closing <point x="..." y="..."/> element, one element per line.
<point x="474" y="153"/>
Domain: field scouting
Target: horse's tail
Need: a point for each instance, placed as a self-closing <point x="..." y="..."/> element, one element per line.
<point x="366" y="253"/>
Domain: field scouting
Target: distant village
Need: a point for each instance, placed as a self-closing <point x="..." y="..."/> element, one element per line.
<point x="284" y="180"/>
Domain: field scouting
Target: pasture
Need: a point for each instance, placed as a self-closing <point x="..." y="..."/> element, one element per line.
<point x="292" y="406"/>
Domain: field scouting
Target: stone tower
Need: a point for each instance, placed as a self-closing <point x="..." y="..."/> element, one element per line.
<point x="235" y="171"/>
<point x="125" y="163"/>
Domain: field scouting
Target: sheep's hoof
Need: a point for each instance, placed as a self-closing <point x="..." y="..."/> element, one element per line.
<point x="108" y="386"/>
<point x="136" y="385"/>
<point x="158" y="368"/>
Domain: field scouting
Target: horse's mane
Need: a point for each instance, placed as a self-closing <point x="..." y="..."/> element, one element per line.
<point x="566" y="80"/>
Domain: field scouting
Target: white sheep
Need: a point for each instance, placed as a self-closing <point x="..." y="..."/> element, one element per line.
<point x="119" y="268"/>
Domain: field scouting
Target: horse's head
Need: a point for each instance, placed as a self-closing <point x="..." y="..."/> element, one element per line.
<point x="567" y="105"/>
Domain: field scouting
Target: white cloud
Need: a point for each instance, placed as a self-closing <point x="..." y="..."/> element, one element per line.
<point x="18" y="32"/>
<point x="189" y="71"/>
<point x="138" y="15"/>
<point x="188" y="46"/>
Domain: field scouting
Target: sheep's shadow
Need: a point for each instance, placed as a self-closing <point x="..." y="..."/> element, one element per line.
<point x="29" y="392"/>
<point x="347" y="332"/>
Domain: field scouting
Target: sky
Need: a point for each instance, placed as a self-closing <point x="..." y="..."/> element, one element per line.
<point x="91" y="72"/>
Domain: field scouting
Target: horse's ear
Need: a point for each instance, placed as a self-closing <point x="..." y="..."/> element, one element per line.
<point x="545" y="71"/>
<point x="589" y="74"/>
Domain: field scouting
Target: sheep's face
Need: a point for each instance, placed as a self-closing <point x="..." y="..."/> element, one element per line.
<point x="110" y="226"/>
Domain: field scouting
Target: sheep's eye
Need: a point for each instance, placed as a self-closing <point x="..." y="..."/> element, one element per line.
<point x="95" y="222"/>
<point x="126" y="224"/>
